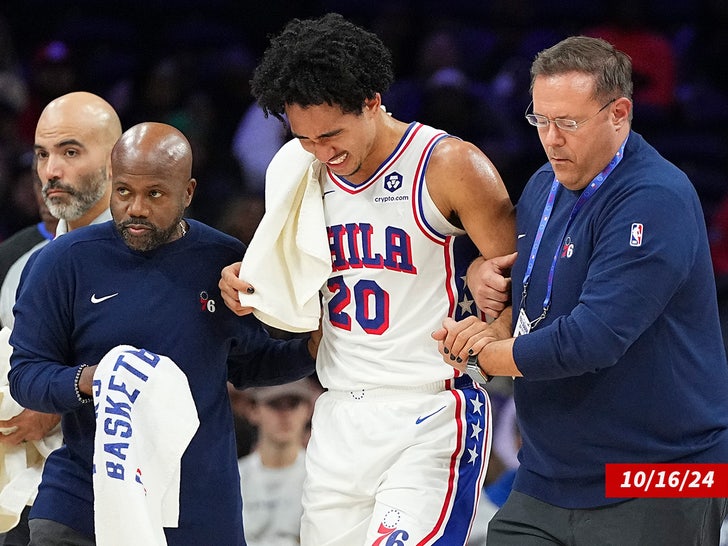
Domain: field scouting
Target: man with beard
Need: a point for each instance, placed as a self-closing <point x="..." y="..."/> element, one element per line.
<point x="73" y="141"/>
<point x="148" y="279"/>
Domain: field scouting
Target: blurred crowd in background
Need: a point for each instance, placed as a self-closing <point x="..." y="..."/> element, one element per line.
<point x="460" y="65"/>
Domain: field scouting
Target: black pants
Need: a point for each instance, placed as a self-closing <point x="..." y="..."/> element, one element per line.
<point x="526" y="521"/>
<point x="44" y="532"/>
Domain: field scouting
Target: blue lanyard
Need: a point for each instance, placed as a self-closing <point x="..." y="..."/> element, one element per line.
<point x="43" y="231"/>
<point x="588" y="192"/>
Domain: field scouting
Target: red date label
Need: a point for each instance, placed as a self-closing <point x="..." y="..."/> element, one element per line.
<point x="666" y="480"/>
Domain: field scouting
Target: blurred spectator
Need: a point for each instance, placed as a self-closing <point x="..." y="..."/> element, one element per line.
<point x="704" y="41"/>
<point x="255" y="142"/>
<point x="27" y="183"/>
<point x="241" y="215"/>
<point x="169" y="91"/>
<point x="512" y="146"/>
<point x="271" y="477"/>
<point x="13" y="98"/>
<point x="244" y="431"/>
<point x="51" y="72"/>
<point x="226" y="76"/>
<point x="629" y="29"/>
<point x="449" y="102"/>
<point x="160" y="95"/>
<point x="472" y="61"/>
<point x="439" y="50"/>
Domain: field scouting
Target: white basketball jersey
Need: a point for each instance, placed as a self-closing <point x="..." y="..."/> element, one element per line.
<point x="397" y="272"/>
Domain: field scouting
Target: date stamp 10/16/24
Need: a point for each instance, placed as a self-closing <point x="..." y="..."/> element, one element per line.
<point x="666" y="480"/>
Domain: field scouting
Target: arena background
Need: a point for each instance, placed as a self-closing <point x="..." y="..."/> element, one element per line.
<point x="461" y="65"/>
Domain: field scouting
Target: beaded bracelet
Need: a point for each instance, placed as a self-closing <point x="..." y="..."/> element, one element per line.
<point x="79" y="395"/>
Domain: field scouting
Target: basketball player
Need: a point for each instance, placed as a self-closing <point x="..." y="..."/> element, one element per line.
<point x="400" y="441"/>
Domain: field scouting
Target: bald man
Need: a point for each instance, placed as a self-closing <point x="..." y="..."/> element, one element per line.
<point x="149" y="279"/>
<point x="73" y="140"/>
<point x="151" y="219"/>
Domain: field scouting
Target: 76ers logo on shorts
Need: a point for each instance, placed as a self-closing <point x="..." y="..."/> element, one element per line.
<point x="635" y="235"/>
<point x="389" y="534"/>
<point x="392" y="182"/>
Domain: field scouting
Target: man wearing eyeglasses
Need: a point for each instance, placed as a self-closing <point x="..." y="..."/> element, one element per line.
<point x="614" y="339"/>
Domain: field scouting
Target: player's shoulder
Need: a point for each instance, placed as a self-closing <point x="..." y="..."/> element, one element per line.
<point x="459" y="165"/>
<point x="454" y="153"/>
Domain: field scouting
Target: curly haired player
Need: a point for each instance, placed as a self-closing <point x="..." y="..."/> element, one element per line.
<point x="400" y="440"/>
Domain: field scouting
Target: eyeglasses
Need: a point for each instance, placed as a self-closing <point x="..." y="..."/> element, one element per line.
<point x="570" y="125"/>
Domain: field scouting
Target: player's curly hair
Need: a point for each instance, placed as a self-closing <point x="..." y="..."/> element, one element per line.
<point x="326" y="60"/>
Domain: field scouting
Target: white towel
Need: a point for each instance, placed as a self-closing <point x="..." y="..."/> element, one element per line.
<point x="288" y="260"/>
<point x="21" y="466"/>
<point x="145" y="419"/>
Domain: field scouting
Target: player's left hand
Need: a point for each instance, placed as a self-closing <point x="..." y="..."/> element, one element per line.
<point x="230" y="287"/>
<point x="457" y="340"/>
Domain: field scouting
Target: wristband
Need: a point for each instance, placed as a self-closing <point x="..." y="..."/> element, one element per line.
<point x="79" y="395"/>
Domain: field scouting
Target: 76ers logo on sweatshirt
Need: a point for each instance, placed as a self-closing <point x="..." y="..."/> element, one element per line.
<point x="567" y="251"/>
<point x="206" y="304"/>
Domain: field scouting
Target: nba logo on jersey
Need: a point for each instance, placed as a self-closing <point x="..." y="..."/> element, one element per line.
<point x="392" y="182"/>
<point x="635" y="236"/>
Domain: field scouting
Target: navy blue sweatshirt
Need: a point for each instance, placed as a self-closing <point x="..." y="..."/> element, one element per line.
<point x="166" y="301"/>
<point x="629" y="363"/>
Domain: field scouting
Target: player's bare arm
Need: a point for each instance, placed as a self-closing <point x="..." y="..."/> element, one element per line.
<point x="467" y="189"/>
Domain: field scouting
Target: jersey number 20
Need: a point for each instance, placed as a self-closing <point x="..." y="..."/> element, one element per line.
<point x="371" y="305"/>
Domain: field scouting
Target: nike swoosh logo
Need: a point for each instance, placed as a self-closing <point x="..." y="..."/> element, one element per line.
<point x="94" y="299"/>
<point x="420" y="419"/>
<point x="327" y="192"/>
<point x="521" y="235"/>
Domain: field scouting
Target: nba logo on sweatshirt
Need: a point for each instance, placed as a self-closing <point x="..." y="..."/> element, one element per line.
<point x="635" y="235"/>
